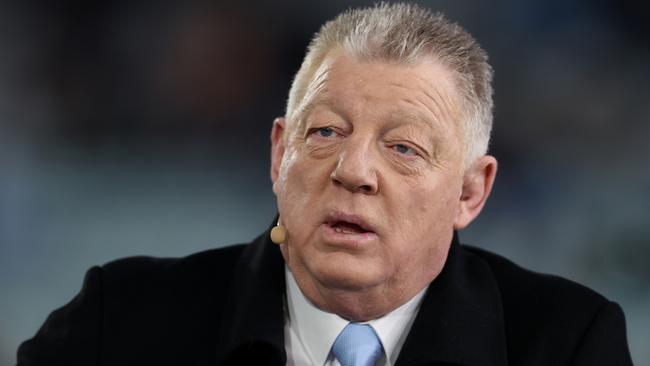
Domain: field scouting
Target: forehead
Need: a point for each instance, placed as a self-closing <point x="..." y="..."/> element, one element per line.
<point x="423" y="91"/>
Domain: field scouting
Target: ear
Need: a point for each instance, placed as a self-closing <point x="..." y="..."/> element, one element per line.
<point x="477" y="185"/>
<point x="277" y="146"/>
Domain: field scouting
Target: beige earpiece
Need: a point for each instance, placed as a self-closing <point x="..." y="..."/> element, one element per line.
<point x="278" y="234"/>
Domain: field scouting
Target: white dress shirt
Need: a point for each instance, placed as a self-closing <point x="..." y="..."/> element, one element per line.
<point x="309" y="332"/>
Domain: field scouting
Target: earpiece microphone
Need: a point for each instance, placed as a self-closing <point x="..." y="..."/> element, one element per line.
<point x="278" y="234"/>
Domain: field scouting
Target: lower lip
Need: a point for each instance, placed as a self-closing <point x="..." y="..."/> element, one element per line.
<point x="339" y="238"/>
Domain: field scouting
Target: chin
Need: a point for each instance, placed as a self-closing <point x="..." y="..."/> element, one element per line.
<point x="349" y="275"/>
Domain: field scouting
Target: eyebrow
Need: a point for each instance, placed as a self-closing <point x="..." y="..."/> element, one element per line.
<point x="412" y="121"/>
<point x="320" y="102"/>
<point x="414" y="117"/>
<point x="396" y="116"/>
<point x="317" y="102"/>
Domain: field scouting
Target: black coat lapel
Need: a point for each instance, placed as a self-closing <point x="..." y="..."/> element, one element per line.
<point x="252" y="330"/>
<point x="460" y="321"/>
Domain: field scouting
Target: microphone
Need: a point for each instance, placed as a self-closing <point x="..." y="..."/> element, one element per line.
<point x="278" y="234"/>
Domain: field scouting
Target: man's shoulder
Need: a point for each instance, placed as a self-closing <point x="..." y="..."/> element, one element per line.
<point x="527" y="285"/>
<point x="137" y="284"/>
<point x="132" y="309"/>
<point x="207" y="260"/>
<point x="547" y="314"/>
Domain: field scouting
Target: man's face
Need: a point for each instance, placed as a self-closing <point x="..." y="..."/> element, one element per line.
<point x="368" y="179"/>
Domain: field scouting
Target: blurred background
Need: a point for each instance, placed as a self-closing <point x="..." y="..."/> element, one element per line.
<point x="129" y="128"/>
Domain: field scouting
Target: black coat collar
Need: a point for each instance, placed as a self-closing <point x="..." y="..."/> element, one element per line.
<point x="460" y="320"/>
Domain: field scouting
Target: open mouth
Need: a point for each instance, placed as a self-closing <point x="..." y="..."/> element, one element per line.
<point x="346" y="227"/>
<point x="348" y="230"/>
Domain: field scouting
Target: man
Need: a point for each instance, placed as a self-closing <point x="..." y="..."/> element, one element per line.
<point x="380" y="158"/>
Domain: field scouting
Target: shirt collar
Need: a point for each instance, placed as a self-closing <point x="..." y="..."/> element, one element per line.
<point x="317" y="329"/>
<point x="393" y="327"/>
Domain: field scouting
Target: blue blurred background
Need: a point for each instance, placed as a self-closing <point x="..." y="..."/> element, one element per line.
<point x="130" y="129"/>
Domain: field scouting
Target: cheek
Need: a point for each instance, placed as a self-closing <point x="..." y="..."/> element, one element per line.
<point x="436" y="202"/>
<point x="299" y="189"/>
<point x="290" y="183"/>
<point x="424" y="214"/>
<point x="418" y="207"/>
<point x="420" y="248"/>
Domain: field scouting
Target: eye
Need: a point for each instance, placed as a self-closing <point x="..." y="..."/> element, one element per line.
<point x="403" y="149"/>
<point x="325" y="132"/>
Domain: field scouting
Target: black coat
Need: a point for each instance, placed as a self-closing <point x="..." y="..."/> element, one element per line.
<point x="225" y="306"/>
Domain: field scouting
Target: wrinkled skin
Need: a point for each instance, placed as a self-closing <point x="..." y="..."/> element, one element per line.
<point x="370" y="183"/>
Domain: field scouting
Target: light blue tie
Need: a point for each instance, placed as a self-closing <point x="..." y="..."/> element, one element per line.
<point x="357" y="345"/>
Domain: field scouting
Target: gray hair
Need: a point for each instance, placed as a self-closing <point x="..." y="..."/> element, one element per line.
<point x="404" y="33"/>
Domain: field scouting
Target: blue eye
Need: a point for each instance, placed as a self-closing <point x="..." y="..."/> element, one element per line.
<point x="325" y="132"/>
<point x="403" y="149"/>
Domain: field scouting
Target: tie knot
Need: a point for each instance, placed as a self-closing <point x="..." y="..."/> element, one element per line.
<point x="357" y="345"/>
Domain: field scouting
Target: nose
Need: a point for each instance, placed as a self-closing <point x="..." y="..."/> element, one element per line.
<point x="356" y="168"/>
